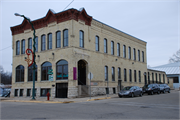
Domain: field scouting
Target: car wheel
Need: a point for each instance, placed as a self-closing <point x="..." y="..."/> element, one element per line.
<point x="164" y="91"/>
<point x="140" y="94"/>
<point x="158" y="92"/>
<point x="132" y="95"/>
<point x="151" y="92"/>
<point x="169" y="91"/>
<point x="120" y="96"/>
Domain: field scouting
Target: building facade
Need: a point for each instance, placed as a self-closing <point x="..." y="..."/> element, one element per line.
<point x="73" y="44"/>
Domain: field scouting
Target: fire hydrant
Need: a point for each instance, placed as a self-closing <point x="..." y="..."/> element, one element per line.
<point x="48" y="95"/>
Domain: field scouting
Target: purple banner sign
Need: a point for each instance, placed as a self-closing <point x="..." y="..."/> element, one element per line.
<point x="74" y="73"/>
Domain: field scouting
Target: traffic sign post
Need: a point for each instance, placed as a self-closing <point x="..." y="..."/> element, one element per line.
<point x="90" y="76"/>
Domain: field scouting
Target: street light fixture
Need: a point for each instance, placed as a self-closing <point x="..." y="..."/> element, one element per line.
<point x="34" y="49"/>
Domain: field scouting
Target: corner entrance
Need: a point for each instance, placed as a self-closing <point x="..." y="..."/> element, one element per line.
<point x="61" y="90"/>
<point x="82" y="72"/>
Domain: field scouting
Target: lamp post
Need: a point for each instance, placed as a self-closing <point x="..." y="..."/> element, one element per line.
<point x="34" y="49"/>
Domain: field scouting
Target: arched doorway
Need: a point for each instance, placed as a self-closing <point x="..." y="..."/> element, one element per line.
<point x="82" y="72"/>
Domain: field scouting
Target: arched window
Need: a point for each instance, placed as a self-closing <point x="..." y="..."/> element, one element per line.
<point x="30" y="44"/>
<point x="65" y="38"/>
<point x="106" y="73"/>
<point x="129" y="50"/>
<point x="45" y="67"/>
<point x="23" y="46"/>
<point x="81" y="39"/>
<point x="62" y="70"/>
<point x="43" y="42"/>
<point x="58" y="39"/>
<point x="20" y="73"/>
<point x="130" y="75"/>
<point x="119" y="73"/>
<point x="134" y="54"/>
<point x="105" y="45"/>
<point x="118" y="49"/>
<point x="17" y="47"/>
<point x="124" y="51"/>
<point x="30" y="73"/>
<point x="112" y="48"/>
<point x="138" y="55"/>
<point x="139" y="76"/>
<point x="135" y="76"/>
<point x="113" y="74"/>
<point x="125" y="75"/>
<point x="36" y="44"/>
<point x="97" y="43"/>
<point x="49" y="41"/>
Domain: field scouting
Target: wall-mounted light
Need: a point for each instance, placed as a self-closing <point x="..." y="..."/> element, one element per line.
<point x="52" y="53"/>
<point x="53" y="85"/>
<point x="116" y="59"/>
<point x="38" y="55"/>
<point x="25" y="58"/>
<point x="132" y="62"/>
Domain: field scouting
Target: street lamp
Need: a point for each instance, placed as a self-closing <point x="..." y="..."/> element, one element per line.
<point x="34" y="49"/>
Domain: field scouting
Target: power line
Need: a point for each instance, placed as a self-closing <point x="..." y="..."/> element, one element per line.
<point x="5" y="48"/>
<point x="68" y="5"/>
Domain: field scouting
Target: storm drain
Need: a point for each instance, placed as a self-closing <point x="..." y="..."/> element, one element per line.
<point x="38" y="118"/>
<point x="145" y="107"/>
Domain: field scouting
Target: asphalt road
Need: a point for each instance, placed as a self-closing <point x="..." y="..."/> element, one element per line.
<point x="163" y="106"/>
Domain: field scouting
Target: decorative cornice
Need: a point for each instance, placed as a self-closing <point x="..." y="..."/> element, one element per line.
<point x="53" y="17"/>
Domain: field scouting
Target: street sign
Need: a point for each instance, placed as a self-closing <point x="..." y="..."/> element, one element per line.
<point x="50" y="77"/>
<point x="50" y="72"/>
<point x="90" y="76"/>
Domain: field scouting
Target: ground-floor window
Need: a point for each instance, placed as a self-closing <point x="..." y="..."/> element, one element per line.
<point x="28" y="92"/>
<point x="21" y="92"/>
<point x="114" y="90"/>
<point x="16" y="92"/>
<point x="175" y="80"/>
<point x="107" y="90"/>
<point x="44" y="91"/>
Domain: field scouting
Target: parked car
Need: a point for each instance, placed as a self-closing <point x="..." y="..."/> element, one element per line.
<point x="164" y="88"/>
<point x="151" y="89"/>
<point x="131" y="91"/>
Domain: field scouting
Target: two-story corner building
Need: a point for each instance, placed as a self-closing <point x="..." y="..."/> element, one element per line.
<point x="72" y="44"/>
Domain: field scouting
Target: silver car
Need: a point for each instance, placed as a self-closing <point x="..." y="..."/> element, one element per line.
<point x="131" y="91"/>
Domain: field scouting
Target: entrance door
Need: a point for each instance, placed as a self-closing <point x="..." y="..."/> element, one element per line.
<point x="81" y="73"/>
<point x="61" y="90"/>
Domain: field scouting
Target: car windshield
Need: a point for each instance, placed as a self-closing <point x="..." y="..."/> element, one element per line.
<point x="147" y="86"/>
<point x="127" y="88"/>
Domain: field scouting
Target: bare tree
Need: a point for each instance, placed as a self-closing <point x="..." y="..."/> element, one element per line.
<point x="5" y="77"/>
<point x="175" y="57"/>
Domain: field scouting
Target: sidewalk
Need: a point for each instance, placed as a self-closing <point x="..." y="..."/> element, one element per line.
<point x="57" y="100"/>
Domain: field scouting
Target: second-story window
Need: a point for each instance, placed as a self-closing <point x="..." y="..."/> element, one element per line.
<point x="65" y="38"/>
<point x="97" y="43"/>
<point x="58" y="39"/>
<point x="17" y="47"/>
<point x="49" y="41"/>
<point x="81" y="39"/>
<point x="118" y="49"/>
<point x="124" y="51"/>
<point x="23" y="46"/>
<point x="29" y="44"/>
<point x="142" y="56"/>
<point x="105" y="45"/>
<point x="134" y="54"/>
<point x="129" y="51"/>
<point x="112" y="48"/>
<point x="138" y="55"/>
<point x="43" y="42"/>
<point x="36" y="45"/>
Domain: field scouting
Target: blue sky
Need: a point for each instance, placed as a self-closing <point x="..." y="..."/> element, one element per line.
<point x="153" y="21"/>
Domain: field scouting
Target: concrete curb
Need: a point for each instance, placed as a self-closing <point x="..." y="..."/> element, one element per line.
<point x="99" y="99"/>
<point x="34" y="101"/>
